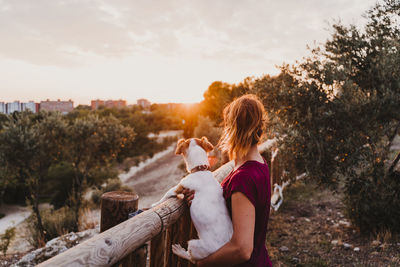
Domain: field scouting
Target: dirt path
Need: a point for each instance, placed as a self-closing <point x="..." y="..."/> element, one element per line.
<point x="154" y="180"/>
<point x="310" y="229"/>
<point x="13" y="216"/>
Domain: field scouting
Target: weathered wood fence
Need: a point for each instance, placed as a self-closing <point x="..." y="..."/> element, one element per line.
<point x="152" y="231"/>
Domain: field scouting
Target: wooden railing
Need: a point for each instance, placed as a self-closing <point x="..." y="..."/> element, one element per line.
<point x="157" y="228"/>
<point x="168" y="223"/>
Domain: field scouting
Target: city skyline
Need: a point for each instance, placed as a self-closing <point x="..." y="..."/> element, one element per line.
<point x="164" y="51"/>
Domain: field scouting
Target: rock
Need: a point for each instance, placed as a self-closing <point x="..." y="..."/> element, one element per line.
<point x="284" y="249"/>
<point x="344" y="223"/>
<point x="336" y="225"/>
<point x="295" y="260"/>
<point x="328" y="234"/>
<point x="334" y="242"/>
<point x="54" y="247"/>
<point x="356" y="249"/>
<point x="376" y="243"/>
<point x="72" y="237"/>
<point x="307" y="220"/>
<point x="347" y="245"/>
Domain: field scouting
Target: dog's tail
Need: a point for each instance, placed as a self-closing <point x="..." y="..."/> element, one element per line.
<point x="181" y="252"/>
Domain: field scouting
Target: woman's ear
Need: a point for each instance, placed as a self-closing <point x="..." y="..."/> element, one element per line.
<point x="181" y="146"/>
<point x="205" y="144"/>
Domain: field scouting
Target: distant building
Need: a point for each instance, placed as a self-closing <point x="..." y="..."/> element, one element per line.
<point x="3" y="107"/>
<point x="62" y="106"/>
<point x="32" y="106"/>
<point x="95" y="104"/>
<point x="144" y="103"/>
<point x="108" y="103"/>
<point x="115" y="103"/>
<point x="13" y="106"/>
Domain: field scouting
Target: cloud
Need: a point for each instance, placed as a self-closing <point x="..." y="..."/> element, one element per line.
<point x="76" y="32"/>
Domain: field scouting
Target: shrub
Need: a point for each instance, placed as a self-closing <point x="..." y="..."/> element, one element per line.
<point x="58" y="183"/>
<point x="96" y="196"/>
<point x="5" y="239"/>
<point x="205" y="127"/>
<point x="374" y="204"/>
<point x="58" y="222"/>
<point x="111" y="185"/>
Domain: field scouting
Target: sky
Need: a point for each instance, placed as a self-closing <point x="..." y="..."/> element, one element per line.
<point x="161" y="50"/>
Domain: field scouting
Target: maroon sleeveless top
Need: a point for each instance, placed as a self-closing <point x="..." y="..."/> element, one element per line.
<point x="252" y="179"/>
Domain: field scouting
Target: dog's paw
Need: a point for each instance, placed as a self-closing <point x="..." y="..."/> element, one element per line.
<point x="180" y="196"/>
<point x="180" y="252"/>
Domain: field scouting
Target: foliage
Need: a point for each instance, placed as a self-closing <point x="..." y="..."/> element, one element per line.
<point x="58" y="183"/>
<point x="31" y="143"/>
<point x="219" y="94"/>
<point x="6" y="238"/>
<point x="93" y="143"/>
<point x="111" y="185"/>
<point x="58" y="222"/>
<point x="96" y="196"/>
<point x="374" y="206"/>
<point x="337" y="115"/>
<point x="205" y="127"/>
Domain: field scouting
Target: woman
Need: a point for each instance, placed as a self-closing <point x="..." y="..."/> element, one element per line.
<point x="246" y="189"/>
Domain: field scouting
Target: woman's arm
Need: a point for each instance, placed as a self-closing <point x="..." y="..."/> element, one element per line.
<point x="240" y="247"/>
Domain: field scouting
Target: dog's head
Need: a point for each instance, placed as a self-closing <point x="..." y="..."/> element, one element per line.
<point x="184" y="144"/>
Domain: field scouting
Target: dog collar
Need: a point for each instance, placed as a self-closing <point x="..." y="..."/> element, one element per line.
<point x="200" y="168"/>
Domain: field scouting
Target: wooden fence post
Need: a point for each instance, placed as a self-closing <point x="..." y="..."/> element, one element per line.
<point x="115" y="209"/>
<point x="179" y="233"/>
<point x="157" y="250"/>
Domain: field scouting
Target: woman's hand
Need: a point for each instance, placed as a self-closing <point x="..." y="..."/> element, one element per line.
<point x="189" y="195"/>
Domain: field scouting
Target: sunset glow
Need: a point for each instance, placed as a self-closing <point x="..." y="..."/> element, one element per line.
<point x="164" y="51"/>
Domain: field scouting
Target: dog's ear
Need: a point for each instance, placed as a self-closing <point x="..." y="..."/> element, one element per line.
<point x="205" y="144"/>
<point x="181" y="146"/>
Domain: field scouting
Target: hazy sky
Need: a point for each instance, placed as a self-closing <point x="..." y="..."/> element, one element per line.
<point x="165" y="51"/>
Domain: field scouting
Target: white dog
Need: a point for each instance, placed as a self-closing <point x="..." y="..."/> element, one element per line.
<point x="208" y="209"/>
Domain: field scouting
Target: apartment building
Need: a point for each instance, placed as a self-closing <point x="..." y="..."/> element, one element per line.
<point x="95" y="104"/>
<point x="3" y="107"/>
<point x="13" y="106"/>
<point x="144" y="103"/>
<point x="62" y="106"/>
<point x="32" y="106"/>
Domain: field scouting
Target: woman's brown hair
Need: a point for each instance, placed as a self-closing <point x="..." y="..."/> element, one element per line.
<point x="244" y="120"/>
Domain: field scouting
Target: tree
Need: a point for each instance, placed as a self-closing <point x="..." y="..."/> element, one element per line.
<point x="337" y="115"/>
<point x="217" y="96"/>
<point x="205" y="127"/>
<point x="30" y="144"/>
<point x="93" y="143"/>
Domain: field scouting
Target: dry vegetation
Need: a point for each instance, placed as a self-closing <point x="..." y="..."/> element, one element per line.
<point x="311" y="230"/>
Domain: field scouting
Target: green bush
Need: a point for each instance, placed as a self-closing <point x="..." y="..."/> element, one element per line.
<point x="372" y="201"/>
<point x="58" y="183"/>
<point x="205" y="127"/>
<point x="58" y="222"/>
<point x="111" y="185"/>
<point x="96" y="196"/>
<point x="5" y="239"/>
